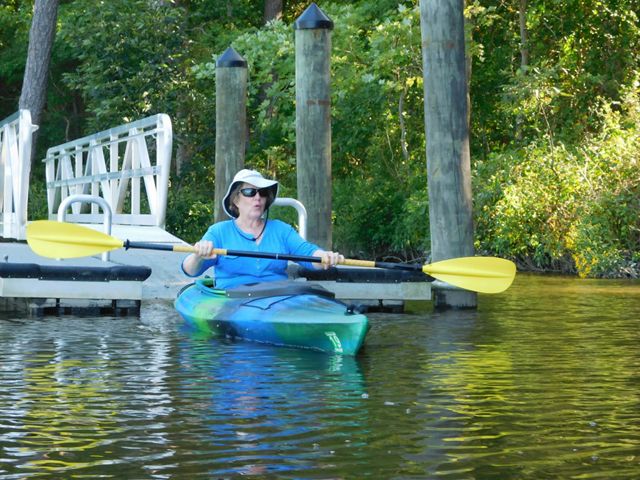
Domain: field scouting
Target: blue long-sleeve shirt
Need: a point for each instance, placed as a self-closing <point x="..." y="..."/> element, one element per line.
<point x="231" y="271"/>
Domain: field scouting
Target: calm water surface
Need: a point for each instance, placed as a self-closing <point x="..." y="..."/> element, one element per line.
<point x="540" y="382"/>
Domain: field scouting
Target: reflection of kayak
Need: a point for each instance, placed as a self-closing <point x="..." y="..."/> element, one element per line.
<point x="292" y="314"/>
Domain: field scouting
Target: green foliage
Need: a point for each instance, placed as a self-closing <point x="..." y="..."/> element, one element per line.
<point x="553" y="207"/>
<point x="188" y="215"/>
<point x="380" y="198"/>
<point x="554" y="143"/>
<point x="271" y="90"/>
<point x="535" y="193"/>
<point x="607" y="238"/>
<point x="579" y="51"/>
<point x="38" y="207"/>
<point x="15" y="18"/>
<point x="129" y="58"/>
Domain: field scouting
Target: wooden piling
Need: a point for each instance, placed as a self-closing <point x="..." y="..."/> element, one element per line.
<point x="231" y="122"/>
<point x="313" y="121"/>
<point x="447" y="138"/>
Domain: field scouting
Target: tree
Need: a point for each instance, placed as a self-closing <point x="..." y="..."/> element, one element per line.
<point x="272" y="10"/>
<point x="524" y="54"/>
<point x="36" y="73"/>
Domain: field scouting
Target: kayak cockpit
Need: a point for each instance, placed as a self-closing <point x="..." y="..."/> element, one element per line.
<point x="287" y="313"/>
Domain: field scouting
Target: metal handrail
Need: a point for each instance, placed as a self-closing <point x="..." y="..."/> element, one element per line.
<point x="302" y="213"/>
<point x="81" y="198"/>
<point x="16" y="136"/>
<point x="112" y="164"/>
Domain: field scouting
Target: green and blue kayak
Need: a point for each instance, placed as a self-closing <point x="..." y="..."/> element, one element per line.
<point x="288" y="313"/>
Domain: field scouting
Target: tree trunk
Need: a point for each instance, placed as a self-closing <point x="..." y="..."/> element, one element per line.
<point x="447" y="135"/>
<point x="524" y="35"/>
<point x="36" y="74"/>
<point x="272" y="10"/>
<point x="524" y="55"/>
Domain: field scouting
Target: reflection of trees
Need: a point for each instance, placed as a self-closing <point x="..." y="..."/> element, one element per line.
<point x="64" y="414"/>
<point x="535" y="381"/>
<point x="82" y="403"/>
<point x="416" y="404"/>
<point x="539" y="381"/>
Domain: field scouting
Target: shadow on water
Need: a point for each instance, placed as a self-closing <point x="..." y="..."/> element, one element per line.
<point x="540" y="382"/>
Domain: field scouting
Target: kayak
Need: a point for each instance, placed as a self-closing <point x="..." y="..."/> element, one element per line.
<point x="287" y="313"/>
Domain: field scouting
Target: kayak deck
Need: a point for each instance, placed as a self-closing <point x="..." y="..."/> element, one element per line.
<point x="292" y="314"/>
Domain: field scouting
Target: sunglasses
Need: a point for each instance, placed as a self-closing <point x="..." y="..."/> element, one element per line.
<point x="251" y="192"/>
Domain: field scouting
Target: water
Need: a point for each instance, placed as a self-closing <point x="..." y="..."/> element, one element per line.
<point x="540" y="382"/>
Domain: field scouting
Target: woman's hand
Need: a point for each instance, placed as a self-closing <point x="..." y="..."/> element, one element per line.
<point x="203" y="251"/>
<point x="329" y="259"/>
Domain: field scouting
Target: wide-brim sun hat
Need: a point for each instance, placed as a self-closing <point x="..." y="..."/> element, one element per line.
<point x="254" y="178"/>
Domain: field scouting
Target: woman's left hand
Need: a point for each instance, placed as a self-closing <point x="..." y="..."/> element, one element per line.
<point x="329" y="259"/>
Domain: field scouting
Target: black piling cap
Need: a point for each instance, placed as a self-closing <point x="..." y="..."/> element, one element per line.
<point x="231" y="58"/>
<point x="313" y="18"/>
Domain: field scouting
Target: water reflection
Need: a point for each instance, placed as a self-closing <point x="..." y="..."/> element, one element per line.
<point x="260" y="403"/>
<point x="73" y="394"/>
<point x="536" y="381"/>
<point x="540" y="382"/>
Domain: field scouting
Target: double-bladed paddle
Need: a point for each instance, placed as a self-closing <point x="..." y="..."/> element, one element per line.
<point x="67" y="240"/>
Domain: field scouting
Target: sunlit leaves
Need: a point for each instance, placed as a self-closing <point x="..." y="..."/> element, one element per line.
<point x="557" y="207"/>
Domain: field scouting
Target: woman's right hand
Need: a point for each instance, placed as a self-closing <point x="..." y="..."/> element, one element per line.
<point x="204" y="249"/>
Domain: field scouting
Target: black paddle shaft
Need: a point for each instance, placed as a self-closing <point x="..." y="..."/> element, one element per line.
<point x="274" y="256"/>
<point x="234" y="253"/>
<point x="147" y="246"/>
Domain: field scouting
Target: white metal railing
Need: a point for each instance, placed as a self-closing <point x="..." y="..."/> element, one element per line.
<point x="116" y="165"/>
<point x="106" y="211"/>
<point x="16" y="134"/>
<point x="302" y="212"/>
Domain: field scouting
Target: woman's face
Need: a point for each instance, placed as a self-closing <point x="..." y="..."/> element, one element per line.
<point x="250" y="201"/>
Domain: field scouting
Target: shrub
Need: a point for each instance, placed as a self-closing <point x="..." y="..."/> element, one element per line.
<point x="552" y="206"/>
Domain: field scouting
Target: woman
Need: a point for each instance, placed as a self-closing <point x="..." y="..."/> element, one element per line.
<point x="247" y="199"/>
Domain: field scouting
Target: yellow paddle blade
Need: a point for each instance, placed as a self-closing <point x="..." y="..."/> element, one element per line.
<point x="479" y="274"/>
<point x="67" y="240"/>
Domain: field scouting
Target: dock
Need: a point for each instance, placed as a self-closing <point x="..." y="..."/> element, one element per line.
<point x="116" y="181"/>
<point x="119" y="286"/>
<point x="135" y="279"/>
